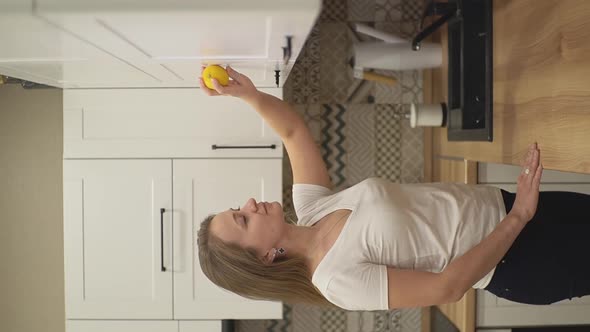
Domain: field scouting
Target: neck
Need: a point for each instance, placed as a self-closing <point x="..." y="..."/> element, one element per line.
<point x="303" y="241"/>
<point x="297" y="240"/>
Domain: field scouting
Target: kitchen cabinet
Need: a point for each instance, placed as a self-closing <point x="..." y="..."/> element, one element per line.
<point x="35" y="49"/>
<point x="112" y="243"/>
<point x="147" y="156"/>
<point x="206" y="186"/>
<point x="130" y="236"/>
<point x="143" y="326"/>
<point x="30" y="51"/>
<point x="117" y="44"/>
<point x="124" y="326"/>
<point x="164" y="123"/>
<point x="199" y="326"/>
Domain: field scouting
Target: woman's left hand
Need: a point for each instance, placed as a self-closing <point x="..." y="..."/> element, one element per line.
<point x="529" y="180"/>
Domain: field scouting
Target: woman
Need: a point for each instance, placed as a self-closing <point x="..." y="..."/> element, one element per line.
<point x="379" y="245"/>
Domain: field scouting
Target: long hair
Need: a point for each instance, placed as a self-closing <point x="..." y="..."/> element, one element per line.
<point x="240" y="271"/>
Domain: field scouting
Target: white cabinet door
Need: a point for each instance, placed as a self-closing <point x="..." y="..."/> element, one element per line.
<point x="202" y="187"/>
<point x="261" y="72"/>
<point x="37" y="50"/>
<point x="199" y="326"/>
<point x="160" y="123"/>
<point x="169" y="42"/>
<point x="112" y="239"/>
<point x="16" y="6"/>
<point x="121" y="326"/>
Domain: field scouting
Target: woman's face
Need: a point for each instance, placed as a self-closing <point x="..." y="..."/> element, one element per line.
<point x="257" y="226"/>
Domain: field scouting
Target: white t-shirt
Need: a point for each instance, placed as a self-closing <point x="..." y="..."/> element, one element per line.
<point x="408" y="226"/>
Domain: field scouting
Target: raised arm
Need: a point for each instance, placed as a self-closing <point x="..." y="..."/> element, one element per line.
<point x="306" y="160"/>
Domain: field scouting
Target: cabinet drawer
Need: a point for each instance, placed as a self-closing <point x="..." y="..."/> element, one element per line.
<point x="164" y="123"/>
<point x="200" y="326"/>
<point x="122" y="326"/>
<point x="143" y="326"/>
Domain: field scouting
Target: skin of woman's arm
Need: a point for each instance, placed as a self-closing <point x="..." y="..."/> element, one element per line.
<point x="305" y="157"/>
<point x="277" y="113"/>
<point x="466" y="270"/>
<point x="306" y="160"/>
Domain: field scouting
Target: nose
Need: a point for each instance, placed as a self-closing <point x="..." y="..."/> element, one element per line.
<point x="251" y="202"/>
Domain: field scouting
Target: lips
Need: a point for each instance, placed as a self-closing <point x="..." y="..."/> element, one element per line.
<point x="264" y="205"/>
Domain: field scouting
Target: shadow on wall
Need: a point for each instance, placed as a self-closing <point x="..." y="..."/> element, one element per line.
<point x="31" y="145"/>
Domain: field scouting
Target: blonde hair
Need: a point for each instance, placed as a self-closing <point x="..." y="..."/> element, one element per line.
<point x="240" y="271"/>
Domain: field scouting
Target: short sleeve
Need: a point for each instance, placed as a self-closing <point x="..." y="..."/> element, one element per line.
<point x="363" y="287"/>
<point x="306" y="195"/>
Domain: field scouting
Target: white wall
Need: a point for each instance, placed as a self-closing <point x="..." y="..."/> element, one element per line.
<point x="31" y="227"/>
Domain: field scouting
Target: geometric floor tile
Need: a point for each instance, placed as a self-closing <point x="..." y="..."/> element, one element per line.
<point x="335" y="71"/>
<point x="388" y="10"/>
<point x="334" y="11"/>
<point x="412" y="10"/>
<point x="411" y="87"/>
<point x="388" y="94"/>
<point x="412" y="154"/>
<point x="361" y="10"/>
<point x="360" y="142"/>
<point x="333" y="320"/>
<point x="333" y="143"/>
<point x="303" y="84"/>
<point x="388" y="142"/>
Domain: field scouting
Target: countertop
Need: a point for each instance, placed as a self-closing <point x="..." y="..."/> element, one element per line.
<point x="541" y="86"/>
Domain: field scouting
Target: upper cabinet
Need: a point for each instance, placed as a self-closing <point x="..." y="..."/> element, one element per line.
<point x="153" y="43"/>
<point x="16" y="6"/>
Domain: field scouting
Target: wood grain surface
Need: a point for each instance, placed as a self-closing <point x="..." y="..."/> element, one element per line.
<point x="541" y="89"/>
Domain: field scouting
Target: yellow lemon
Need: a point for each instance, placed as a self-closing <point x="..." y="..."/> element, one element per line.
<point x="216" y="72"/>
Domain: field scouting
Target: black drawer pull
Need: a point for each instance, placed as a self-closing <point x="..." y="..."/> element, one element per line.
<point x="217" y="147"/>
<point x="162" y="210"/>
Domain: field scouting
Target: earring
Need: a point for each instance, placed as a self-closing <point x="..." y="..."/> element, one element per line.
<point x="279" y="251"/>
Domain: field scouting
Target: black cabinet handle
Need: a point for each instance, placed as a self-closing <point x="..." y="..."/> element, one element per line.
<point x="287" y="50"/>
<point x="162" y="210"/>
<point x="277" y="77"/>
<point x="217" y="147"/>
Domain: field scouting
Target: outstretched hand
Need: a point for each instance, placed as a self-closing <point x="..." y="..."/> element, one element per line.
<point x="239" y="86"/>
<point x="529" y="180"/>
